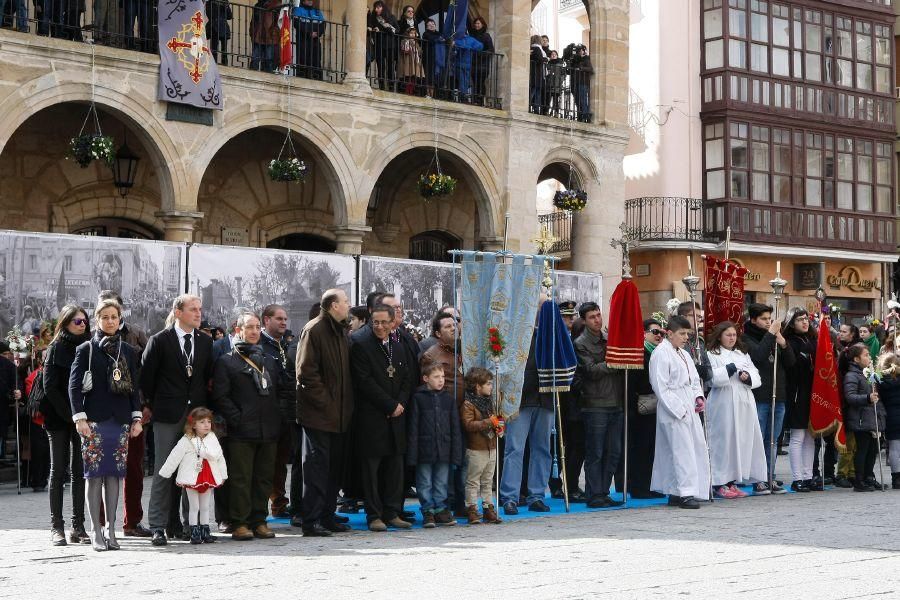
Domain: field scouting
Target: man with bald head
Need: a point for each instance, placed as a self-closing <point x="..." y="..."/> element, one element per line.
<point x="324" y="410"/>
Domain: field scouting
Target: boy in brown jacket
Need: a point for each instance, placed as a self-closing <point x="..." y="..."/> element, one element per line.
<point x="482" y="429"/>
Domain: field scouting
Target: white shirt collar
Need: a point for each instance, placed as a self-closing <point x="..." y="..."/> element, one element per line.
<point x="181" y="332"/>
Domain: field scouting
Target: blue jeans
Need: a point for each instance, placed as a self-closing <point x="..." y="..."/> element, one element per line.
<point x="263" y="57"/>
<point x="21" y="10"/>
<point x="602" y="450"/>
<point x="764" y="412"/>
<point x="431" y="486"/>
<point x="532" y="426"/>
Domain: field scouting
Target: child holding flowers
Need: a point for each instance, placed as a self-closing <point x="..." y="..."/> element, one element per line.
<point x="482" y="427"/>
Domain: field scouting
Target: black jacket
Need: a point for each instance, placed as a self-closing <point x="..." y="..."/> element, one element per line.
<point x="287" y="394"/>
<point x="860" y="414"/>
<point x="377" y="395"/>
<point x="531" y="395"/>
<point x="101" y="404"/>
<point x="798" y="368"/>
<point x="434" y="432"/>
<point x="220" y="348"/>
<point x="57" y="408"/>
<point x="250" y="413"/>
<point x="889" y="396"/>
<point x="168" y="390"/>
<point x="761" y="349"/>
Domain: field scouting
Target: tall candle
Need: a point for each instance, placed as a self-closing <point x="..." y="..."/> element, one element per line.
<point x="778" y="268"/>
<point x="690" y="265"/>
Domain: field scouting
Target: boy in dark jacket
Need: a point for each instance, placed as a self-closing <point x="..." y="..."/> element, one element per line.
<point x="863" y="409"/>
<point x="434" y="441"/>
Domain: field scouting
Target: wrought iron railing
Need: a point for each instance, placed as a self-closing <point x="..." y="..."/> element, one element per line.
<point x="238" y="35"/>
<point x="456" y="72"/>
<point x="560" y="91"/>
<point x="559" y="224"/>
<point x="665" y="218"/>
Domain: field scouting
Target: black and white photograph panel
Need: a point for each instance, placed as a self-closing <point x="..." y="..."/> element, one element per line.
<point x="226" y="277"/>
<point x="578" y="286"/>
<point x="41" y="273"/>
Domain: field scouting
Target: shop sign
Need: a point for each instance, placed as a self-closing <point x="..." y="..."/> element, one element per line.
<point x="850" y="278"/>
<point x="808" y="276"/>
<point x="235" y="236"/>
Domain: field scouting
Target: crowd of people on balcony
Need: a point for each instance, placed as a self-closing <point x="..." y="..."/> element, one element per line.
<point x="555" y="82"/>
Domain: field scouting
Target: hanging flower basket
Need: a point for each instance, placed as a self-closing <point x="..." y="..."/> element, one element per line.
<point x="574" y="200"/>
<point x="88" y="147"/>
<point x="434" y="185"/>
<point x="289" y="169"/>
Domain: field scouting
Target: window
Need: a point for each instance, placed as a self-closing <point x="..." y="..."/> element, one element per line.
<point x="884" y="178"/>
<point x="759" y="58"/>
<point x="32" y="262"/>
<point x="845" y="173"/>
<point x="67" y="263"/>
<point x="738" y="160"/>
<point x="737" y="54"/>
<point x="714" y="49"/>
<point x="714" y="157"/>
<point x="737" y="28"/>
<point x="814" y="169"/>
<point x="759" y="22"/>
<point x="760" y="163"/>
<point x="781" y="165"/>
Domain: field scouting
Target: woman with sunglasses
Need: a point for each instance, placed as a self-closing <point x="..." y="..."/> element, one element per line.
<point x="72" y="329"/>
<point x="642" y="423"/>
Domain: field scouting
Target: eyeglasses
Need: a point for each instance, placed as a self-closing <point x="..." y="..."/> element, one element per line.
<point x="657" y="331"/>
<point x="381" y="323"/>
<point x="79" y="321"/>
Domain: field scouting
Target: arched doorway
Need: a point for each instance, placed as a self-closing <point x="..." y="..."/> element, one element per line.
<point x="434" y="246"/>
<point x="117" y="228"/>
<point x="303" y="241"/>
<point x="553" y="178"/>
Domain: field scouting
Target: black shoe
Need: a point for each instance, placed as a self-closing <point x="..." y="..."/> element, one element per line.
<point x="334" y="527"/>
<point x="538" y="506"/>
<point x="408" y="516"/>
<point x="196" y="538"/>
<point x="688" y="502"/>
<point x="296" y="521"/>
<point x="603" y="502"/>
<point x="205" y="536"/>
<point x="58" y="537"/>
<point x="843" y="482"/>
<point x="185" y="534"/>
<point x="800" y="486"/>
<point x="674" y="500"/>
<point x="510" y="508"/>
<point x="315" y="530"/>
<point x="862" y="487"/>
<point x="226" y="527"/>
<point x="829" y="481"/>
<point x="578" y="497"/>
<point x="816" y="485"/>
<point x="138" y="531"/>
<point x="159" y="538"/>
<point x="895" y="481"/>
<point x="558" y="494"/>
<point x="340" y="518"/>
<point x="79" y="536"/>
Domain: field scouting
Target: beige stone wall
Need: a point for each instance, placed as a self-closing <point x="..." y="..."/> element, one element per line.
<point x="195" y="179"/>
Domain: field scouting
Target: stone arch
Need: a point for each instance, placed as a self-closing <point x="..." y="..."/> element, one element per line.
<point x="468" y="156"/>
<point x="327" y="147"/>
<point x="75" y="87"/>
<point x="585" y="171"/>
<point x="89" y="204"/>
<point x="286" y="221"/>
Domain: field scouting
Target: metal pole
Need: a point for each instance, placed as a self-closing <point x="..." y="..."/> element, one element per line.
<point x="881" y="485"/>
<point x="562" y="451"/>
<point x="778" y="284"/>
<point x="18" y="438"/>
<point x="625" y="447"/>
<point x="497" y="453"/>
<point x="691" y="282"/>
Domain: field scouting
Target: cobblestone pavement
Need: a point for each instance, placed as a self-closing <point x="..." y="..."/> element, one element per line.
<point x="837" y="544"/>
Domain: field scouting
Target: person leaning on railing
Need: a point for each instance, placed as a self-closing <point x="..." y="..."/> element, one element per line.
<point x="310" y="24"/>
<point x="264" y="34"/>
<point x="581" y="71"/>
<point x="218" y="32"/>
<point x="537" y="61"/>
<point x="555" y="82"/>
<point x="433" y="56"/>
<point x="409" y="63"/>
<point x="482" y="67"/>
<point x="383" y="27"/>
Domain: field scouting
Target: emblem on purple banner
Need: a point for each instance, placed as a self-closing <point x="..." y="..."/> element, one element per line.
<point x="188" y="74"/>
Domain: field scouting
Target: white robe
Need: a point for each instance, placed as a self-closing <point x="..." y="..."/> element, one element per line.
<point x="681" y="464"/>
<point x="735" y="441"/>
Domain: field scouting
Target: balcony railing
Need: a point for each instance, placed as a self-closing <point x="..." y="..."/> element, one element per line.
<point x="560" y="226"/>
<point x="560" y="91"/>
<point x="453" y="71"/>
<point x="665" y="218"/>
<point x="238" y="35"/>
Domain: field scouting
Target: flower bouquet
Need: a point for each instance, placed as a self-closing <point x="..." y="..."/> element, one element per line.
<point x="574" y="200"/>
<point x="88" y="147"/>
<point x="434" y="185"/>
<point x="496" y="344"/>
<point x="289" y="169"/>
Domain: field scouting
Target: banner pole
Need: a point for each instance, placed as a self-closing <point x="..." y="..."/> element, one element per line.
<point x="690" y="282"/>
<point x="778" y="284"/>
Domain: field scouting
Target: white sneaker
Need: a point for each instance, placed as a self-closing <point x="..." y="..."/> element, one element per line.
<point x="761" y="489"/>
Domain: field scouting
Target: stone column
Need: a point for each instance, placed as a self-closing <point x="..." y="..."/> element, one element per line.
<point x="179" y="224"/>
<point x="512" y="21"/>
<point x="356" y="46"/>
<point x="491" y="244"/>
<point x="350" y="238"/>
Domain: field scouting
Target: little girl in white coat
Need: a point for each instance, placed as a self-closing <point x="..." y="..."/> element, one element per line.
<point x="201" y="466"/>
<point x="736" y="447"/>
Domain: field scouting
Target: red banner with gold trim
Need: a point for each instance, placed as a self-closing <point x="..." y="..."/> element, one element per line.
<point x="825" y="414"/>
<point x="724" y="297"/>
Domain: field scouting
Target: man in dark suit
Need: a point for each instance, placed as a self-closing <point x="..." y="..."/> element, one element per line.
<point x="382" y="380"/>
<point x="175" y="374"/>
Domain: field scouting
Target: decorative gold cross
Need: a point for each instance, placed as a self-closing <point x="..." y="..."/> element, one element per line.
<point x="625" y="244"/>
<point x="545" y="241"/>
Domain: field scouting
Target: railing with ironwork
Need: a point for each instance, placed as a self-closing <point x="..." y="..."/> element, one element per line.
<point x="560" y="91"/>
<point x="238" y="35"/>
<point x="665" y="218"/>
<point x="456" y="71"/>
<point x="559" y="224"/>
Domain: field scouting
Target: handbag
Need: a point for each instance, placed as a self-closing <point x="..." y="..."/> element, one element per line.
<point x="646" y="404"/>
<point x="87" y="380"/>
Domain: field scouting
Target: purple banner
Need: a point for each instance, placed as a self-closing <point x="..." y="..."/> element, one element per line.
<point x="188" y="74"/>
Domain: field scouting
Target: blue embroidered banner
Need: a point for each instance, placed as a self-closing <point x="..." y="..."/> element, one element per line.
<point x="503" y="295"/>
<point x="187" y="71"/>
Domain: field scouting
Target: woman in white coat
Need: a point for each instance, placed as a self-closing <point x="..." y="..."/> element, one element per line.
<point x="736" y="449"/>
<point x="681" y="464"/>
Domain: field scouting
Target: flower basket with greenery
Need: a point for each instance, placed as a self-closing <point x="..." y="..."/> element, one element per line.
<point x="573" y="199"/>
<point x="85" y="148"/>
<point x="434" y="185"/>
<point x="289" y="169"/>
<point x="496" y="344"/>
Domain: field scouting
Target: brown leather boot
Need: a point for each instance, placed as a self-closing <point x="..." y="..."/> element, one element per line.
<point x="241" y="533"/>
<point x="263" y="532"/>
<point x="490" y="514"/>
<point x="472" y="514"/>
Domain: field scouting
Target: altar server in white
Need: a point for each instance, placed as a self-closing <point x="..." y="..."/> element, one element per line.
<point x="736" y="448"/>
<point x="681" y="463"/>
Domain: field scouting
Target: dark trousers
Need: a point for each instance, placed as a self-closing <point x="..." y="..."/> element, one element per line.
<point x="221" y="492"/>
<point x="250" y="473"/>
<point x="573" y="441"/>
<point x="65" y="456"/>
<point x="165" y="495"/>
<point x="134" y="481"/>
<point x="39" y="464"/>
<point x="382" y="478"/>
<point x="324" y="455"/>
<point x="864" y="459"/>
<point x="284" y="451"/>
<point x="603" y="449"/>
<point x="641" y="449"/>
<point x="831" y="456"/>
<point x="296" y="471"/>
